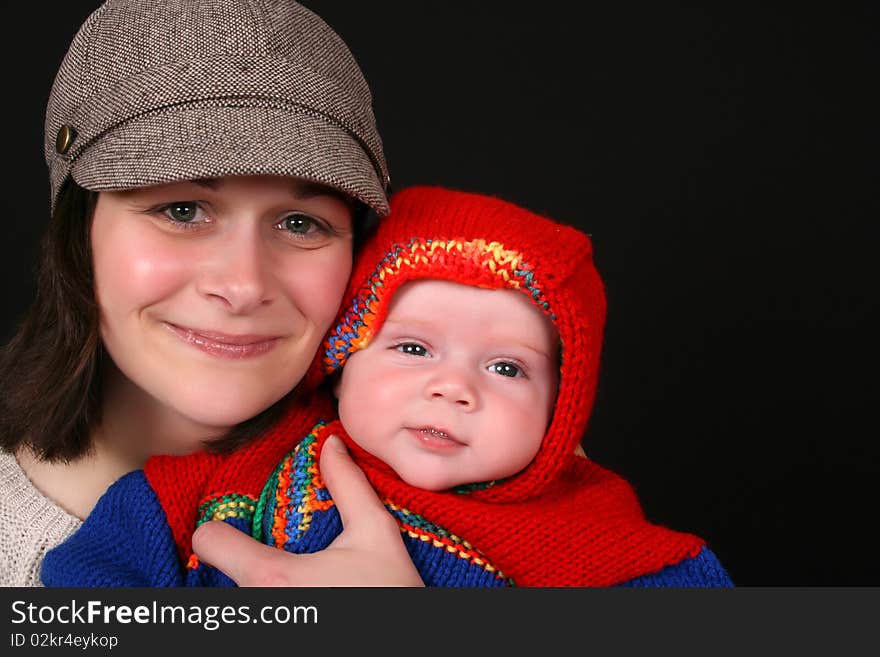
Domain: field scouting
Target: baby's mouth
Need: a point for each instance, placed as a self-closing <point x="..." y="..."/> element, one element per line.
<point x="437" y="436"/>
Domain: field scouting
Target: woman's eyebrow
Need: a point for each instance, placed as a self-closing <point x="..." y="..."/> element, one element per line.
<point x="306" y="189"/>
<point x="302" y="189"/>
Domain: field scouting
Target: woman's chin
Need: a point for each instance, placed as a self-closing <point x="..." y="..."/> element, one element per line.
<point x="218" y="414"/>
<point x="225" y="418"/>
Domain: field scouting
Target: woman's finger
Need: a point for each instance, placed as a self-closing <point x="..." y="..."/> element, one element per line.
<point x="359" y="506"/>
<point x="246" y="561"/>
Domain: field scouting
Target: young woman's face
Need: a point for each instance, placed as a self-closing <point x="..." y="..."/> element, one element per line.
<point x="215" y="294"/>
<point x="457" y="387"/>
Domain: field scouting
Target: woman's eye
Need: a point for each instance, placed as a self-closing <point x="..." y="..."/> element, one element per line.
<point x="412" y="349"/>
<point x="184" y="213"/>
<point x="300" y="224"/>
<point x="506" y="369"/>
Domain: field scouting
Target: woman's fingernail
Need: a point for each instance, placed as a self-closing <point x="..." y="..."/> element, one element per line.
<point x="334" y="442"/>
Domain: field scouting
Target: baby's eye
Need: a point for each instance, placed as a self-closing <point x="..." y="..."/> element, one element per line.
<point x="506" y="369"/>
<point x="411" y="349"/>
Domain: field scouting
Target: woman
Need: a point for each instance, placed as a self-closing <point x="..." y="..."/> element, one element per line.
<point x="212" y="164"/>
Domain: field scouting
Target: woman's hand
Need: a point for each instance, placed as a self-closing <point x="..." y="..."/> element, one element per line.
<point x="368" y="552"/>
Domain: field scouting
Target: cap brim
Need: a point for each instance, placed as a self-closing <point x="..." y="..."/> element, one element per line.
<point x="190" y="142"/>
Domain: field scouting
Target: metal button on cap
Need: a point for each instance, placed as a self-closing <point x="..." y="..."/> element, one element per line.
<point x="65" y="138"/>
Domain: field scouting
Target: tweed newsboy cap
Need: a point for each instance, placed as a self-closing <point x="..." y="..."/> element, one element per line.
<point x="156" y="91"/>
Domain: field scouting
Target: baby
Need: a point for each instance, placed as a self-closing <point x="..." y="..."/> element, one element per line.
<point x="465" y="366"/>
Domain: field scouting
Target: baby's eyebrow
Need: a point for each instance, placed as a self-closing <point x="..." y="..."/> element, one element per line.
<point x="407" y="321"/>
<point x="540" y="352"/>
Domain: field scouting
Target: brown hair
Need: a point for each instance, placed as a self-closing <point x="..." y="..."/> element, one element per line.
<point x="51" y="370"/>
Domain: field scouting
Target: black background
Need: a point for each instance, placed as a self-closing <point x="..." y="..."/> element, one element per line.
<point x="716" y="155"/>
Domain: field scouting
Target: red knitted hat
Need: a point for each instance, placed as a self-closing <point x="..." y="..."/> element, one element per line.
<point x="489" y="243"/>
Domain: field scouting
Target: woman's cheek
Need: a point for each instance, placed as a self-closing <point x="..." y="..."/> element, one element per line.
<point x="317" y="284"/>
<point x="135" y="274"/>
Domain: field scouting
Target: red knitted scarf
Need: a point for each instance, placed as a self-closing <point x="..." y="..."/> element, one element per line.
<point x="587" y="529"/>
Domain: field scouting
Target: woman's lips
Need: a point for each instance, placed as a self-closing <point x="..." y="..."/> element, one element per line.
<point x="435" y="437"/>
<point x="225" y="345"/>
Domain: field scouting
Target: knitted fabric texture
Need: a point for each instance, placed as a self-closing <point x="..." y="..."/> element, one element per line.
<point x="30" y="525"/>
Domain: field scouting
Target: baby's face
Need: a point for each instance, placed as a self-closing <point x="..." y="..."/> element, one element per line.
<point x="457" y="387"/>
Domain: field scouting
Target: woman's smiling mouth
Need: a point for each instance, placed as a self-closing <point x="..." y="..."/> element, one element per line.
<point x="225" y="345"/>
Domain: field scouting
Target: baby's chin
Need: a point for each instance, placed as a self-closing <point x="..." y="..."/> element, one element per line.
<point x="430" y="481"/>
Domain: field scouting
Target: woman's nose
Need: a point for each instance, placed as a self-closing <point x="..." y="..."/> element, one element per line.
<point x="236" y="273"/>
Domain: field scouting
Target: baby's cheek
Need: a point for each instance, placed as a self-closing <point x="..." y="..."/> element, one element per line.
<point x="530" y="428"/>
<point x="368" y="397"/>
<point x="390" y="389"/>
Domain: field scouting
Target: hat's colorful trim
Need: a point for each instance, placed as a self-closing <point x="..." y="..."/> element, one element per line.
<point x="355" y="329"/>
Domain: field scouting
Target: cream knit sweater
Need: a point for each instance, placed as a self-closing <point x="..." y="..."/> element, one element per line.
<point x="30" y="525"/>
